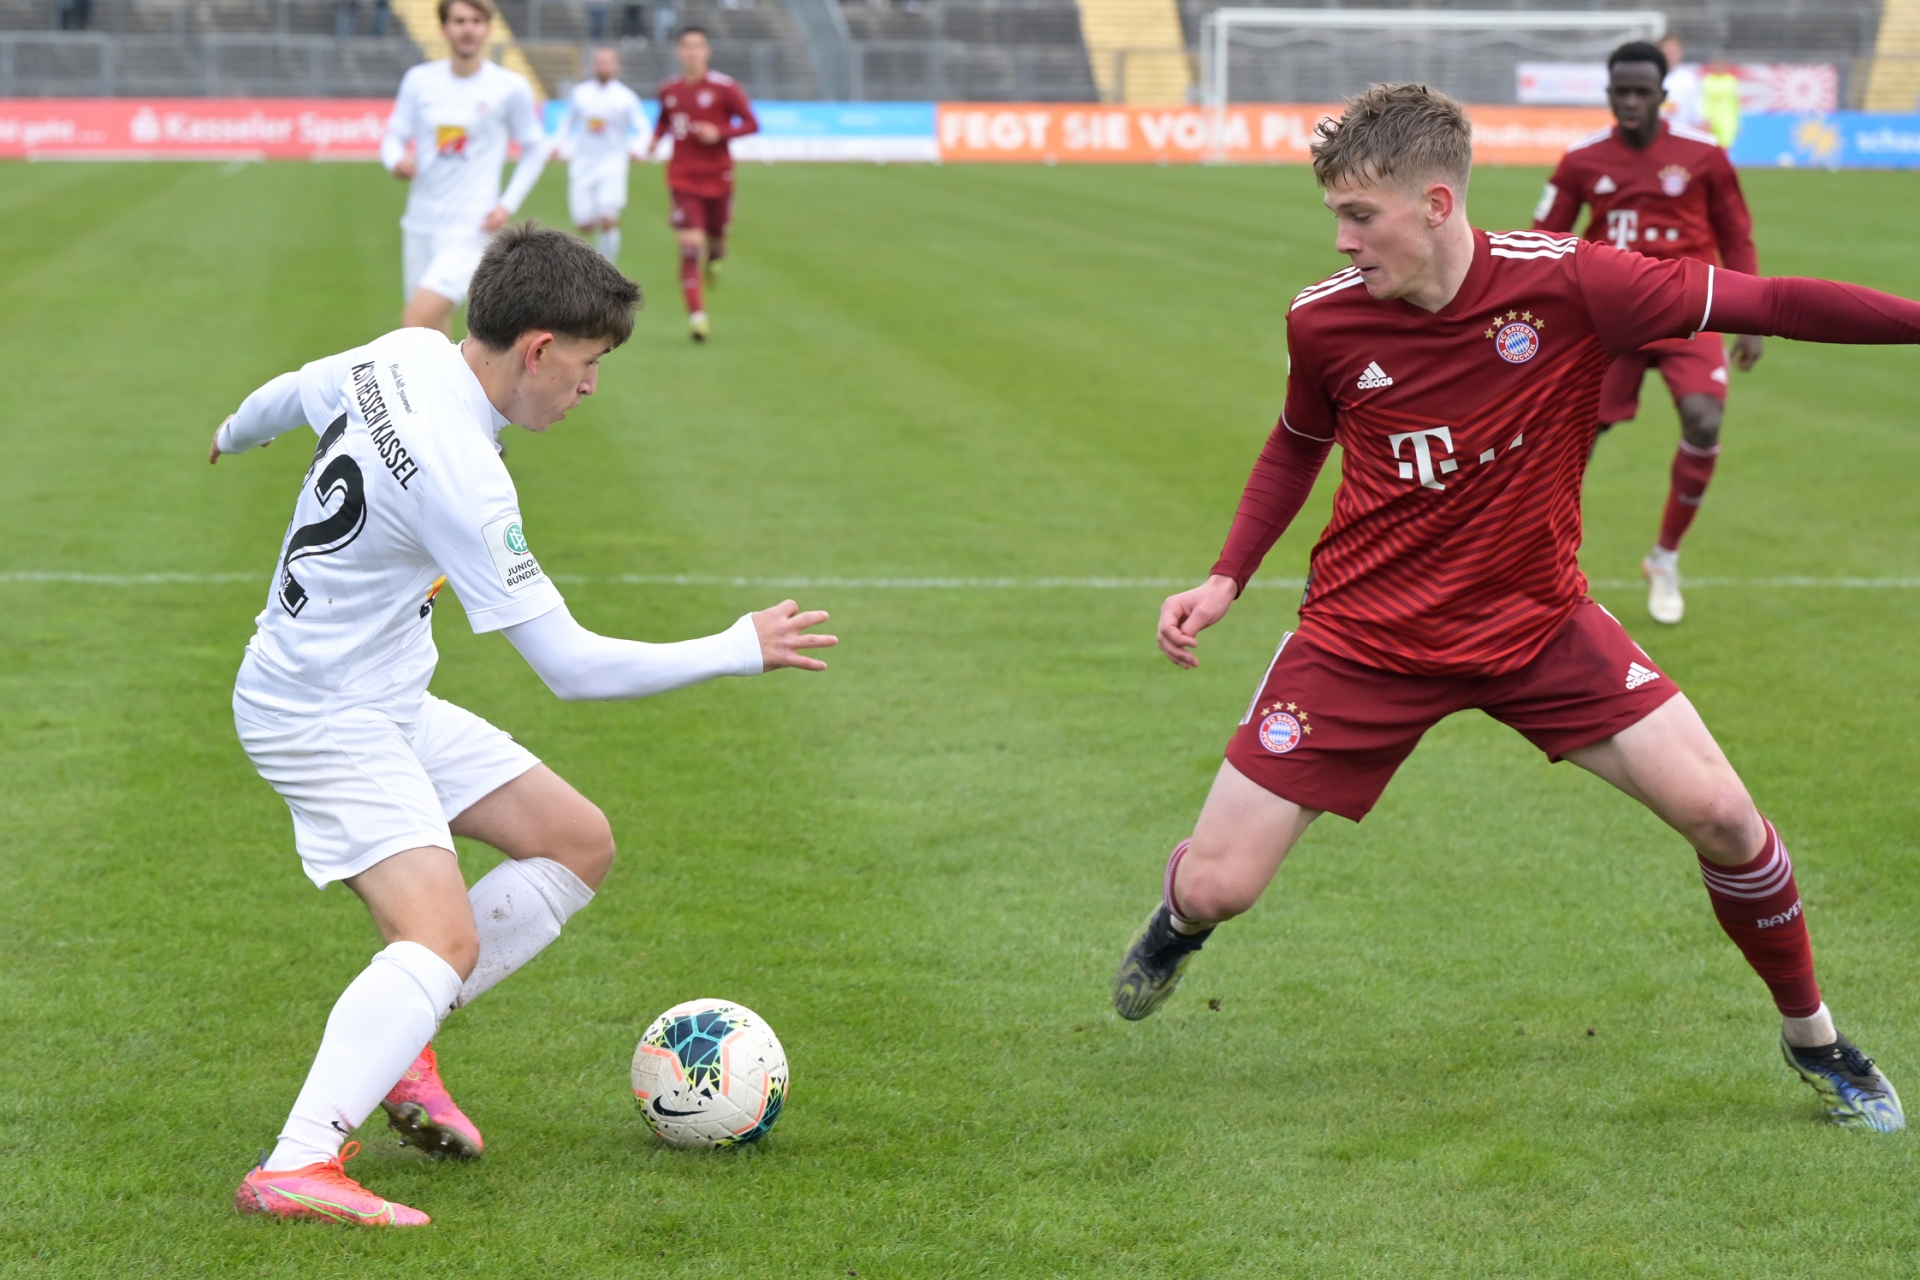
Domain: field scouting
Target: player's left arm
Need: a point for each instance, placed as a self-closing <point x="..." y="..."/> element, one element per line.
<point x="1634" y="300"/>
<point x="740" y="121"/>
<point x="1733" y="234"/>
<point x="523" y="118"/>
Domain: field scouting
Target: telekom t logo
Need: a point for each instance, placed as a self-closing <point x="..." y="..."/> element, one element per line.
<point x="1623" y="227"/>
<point x="1423" y="454"/>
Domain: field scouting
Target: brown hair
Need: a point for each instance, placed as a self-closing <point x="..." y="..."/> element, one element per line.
<point x="535" y="278"/>
<point x="1400" y="133"/>
<point x="484" y="6"/>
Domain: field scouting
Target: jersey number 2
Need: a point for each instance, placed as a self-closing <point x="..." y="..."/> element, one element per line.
<point x="341" y="479"/>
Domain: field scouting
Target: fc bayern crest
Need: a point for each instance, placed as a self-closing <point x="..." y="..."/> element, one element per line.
<point x="1280" y="733"/>
<point x="1673" y="180"/>
<point x="1517" y="342"/>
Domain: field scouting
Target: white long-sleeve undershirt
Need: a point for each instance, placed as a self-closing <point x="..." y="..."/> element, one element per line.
<point x="580" y="666"/>
<point x="271" y="411"/>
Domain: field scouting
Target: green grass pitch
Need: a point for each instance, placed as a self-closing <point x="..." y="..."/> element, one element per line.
<point x="1494" y="1031"/>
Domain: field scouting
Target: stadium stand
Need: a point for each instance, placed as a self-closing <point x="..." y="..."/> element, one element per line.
<point x="1841" y="32"/>
<point x="985" y="50"/>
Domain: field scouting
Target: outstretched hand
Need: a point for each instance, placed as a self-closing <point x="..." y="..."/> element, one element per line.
<point x="1185" y="616"/>
<point x="783" y="634"/>
<point x="213" y="454"/>
<point x="1746" y="351"/>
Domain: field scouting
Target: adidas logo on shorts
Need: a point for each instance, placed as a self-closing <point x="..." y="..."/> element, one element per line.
<point x="1375" y="376"/>
<point x="1638" y="675"/>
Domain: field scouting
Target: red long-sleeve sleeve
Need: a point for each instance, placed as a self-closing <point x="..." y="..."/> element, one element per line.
<point x="1282" y="478"/>
<point x="1732" y="224"/>
<point x="1810" y="310"/>
<point x="743" y="122"/>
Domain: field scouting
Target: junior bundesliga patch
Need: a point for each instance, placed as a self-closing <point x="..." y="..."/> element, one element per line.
<point x="507" y="543"/>
<point x="1282" y="725"/>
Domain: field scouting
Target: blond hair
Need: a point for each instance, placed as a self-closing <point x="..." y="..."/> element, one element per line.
<point x="1398" y="133"/>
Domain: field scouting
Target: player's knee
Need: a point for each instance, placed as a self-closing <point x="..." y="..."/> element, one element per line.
<point x="1725" y="827"/>
<point x="460" y="948"/>
<point x="1212" y="889"/>
<point x="591" y="845"/>
<point x="1700" y="421"/>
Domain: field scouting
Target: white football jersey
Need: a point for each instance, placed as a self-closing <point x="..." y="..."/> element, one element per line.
<point x="459" y="127"/>
<point x="601" y="122"/>
<point x="406" y="485"/>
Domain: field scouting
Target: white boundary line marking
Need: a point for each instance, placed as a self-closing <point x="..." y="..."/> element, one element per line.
<point x="927" y="584"/>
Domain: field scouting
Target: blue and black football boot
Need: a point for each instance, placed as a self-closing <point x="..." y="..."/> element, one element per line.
<point x="1154" y="961"/>
<point x="1856" y="1094"/>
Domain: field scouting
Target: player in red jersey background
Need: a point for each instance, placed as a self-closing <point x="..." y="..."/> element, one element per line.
<point x="703" y="110"/>
<point x="1667" y="191"/>
<point x="1460" y="373"/>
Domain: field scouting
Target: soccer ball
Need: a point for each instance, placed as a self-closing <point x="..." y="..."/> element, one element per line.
<point x="709" y="1073"/>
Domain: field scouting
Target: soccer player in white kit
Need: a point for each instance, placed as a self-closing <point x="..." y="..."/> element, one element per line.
<point x="406" y="493"/>
<point x="603" y="117"/>
<point x="458" y="115"/>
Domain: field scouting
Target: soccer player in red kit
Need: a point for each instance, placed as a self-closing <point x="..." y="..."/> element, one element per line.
<point x="1460" y="372"/>
<point x="703" y="110"/>
<point x="1667" y="191"/>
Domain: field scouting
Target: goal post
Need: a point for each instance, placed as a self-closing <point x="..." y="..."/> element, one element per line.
<point x="1321" y="55"/>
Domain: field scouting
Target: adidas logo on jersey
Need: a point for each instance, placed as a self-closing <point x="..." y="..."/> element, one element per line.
<point x="1638" y="675"/>
<point x="1375" y="376"/>
<point x="1604" y="187"/>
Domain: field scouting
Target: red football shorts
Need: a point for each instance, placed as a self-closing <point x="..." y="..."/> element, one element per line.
<point x="1328" y="733"/>
<point x="710" y="214"/>
<point x="1695" y="366"/>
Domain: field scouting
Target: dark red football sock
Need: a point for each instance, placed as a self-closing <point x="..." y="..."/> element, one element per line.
<point x="690" y="277"/>
<point x="1758" y="904"/>
<point x="1692" y="469"/>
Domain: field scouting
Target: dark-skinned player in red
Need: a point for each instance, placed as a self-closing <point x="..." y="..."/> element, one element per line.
<point x="1667" y="191"/>
<point x="1460" y="373"/>
<point x="703" y="110"/>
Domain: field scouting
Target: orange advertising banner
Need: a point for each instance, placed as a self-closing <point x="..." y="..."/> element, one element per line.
<point x="1049" y="133"/>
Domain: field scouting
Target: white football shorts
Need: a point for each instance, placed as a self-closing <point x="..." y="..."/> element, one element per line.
<point x="596" y="192"/>
<point x="443" y="261"/>
<point x="363" y="785"/>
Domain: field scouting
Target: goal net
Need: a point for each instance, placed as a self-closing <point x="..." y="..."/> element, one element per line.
<point x="1321" y="55"/>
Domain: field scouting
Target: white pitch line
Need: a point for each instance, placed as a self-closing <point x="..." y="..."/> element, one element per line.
<point x="928" y="584"/>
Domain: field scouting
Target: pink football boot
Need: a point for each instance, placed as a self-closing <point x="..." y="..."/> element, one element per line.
<point x="424" y="1116"/>
<point x="322" y="1191"/>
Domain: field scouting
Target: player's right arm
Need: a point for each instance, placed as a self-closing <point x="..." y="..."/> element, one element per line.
<point x="1282" y="478"/>
<point x="582" y="666"/>
<point x="400" y="130"/>
<point x="662" y="123"/>
<point x="1560" y="203"/>
<point x="291" y="400"/>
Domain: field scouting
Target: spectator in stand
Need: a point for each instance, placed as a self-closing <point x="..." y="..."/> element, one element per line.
<point x="74" y="15"/>
<point x="597" y="20"/>
<point x="382" y="14"/>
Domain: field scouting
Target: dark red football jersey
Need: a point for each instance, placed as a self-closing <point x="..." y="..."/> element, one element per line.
<point x="1465" y="433"/>
<point x="703" y="168"/>
<point x="1678" y="198"/>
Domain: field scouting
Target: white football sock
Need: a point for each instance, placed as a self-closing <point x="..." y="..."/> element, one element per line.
<point x="377" y="1028"/>
<point x="518" y="908"/>
<point x="1812" y="1031"/>
<point x="1661" y="558"/>
<point x="609" y="244"/>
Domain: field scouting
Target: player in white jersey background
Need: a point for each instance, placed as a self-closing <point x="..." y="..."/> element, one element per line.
<point x="603" y="119"/>
<point x="406" y="493"/>
<point x="448" y="136"/>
